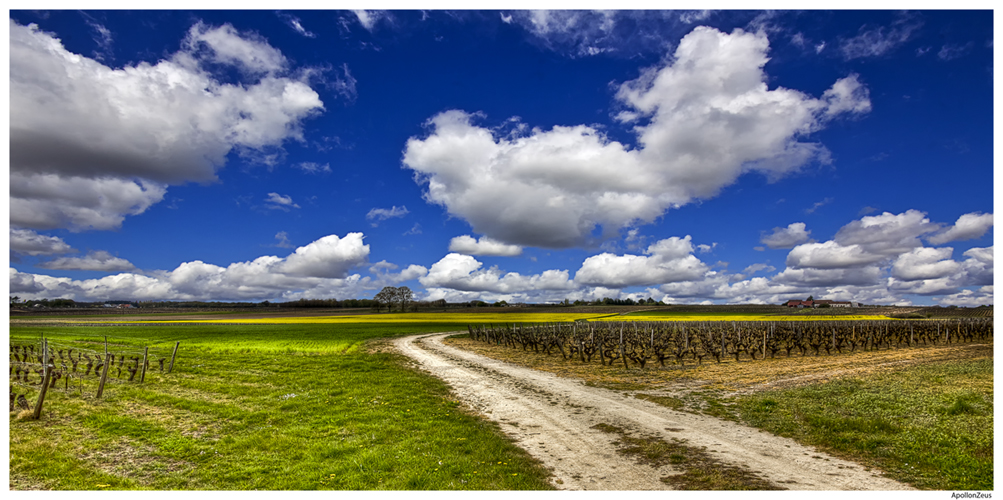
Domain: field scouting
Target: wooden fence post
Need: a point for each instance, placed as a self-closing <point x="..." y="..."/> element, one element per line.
<point x="104" y="374"/>
<point x="171" y="367"/>
<point x="142" y="377"/>
<point x="45" y="381"/>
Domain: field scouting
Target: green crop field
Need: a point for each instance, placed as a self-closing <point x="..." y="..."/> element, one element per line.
<point x="269" y="407"/>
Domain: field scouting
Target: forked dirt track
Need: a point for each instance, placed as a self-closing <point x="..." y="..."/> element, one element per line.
<point x="553" y="418"/>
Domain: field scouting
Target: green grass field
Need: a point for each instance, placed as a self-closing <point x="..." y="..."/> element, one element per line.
<point x="928" y="425"/>
<point x="270" y="407"/>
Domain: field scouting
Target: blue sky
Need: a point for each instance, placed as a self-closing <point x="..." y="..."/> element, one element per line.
<point x="527" y="156"/>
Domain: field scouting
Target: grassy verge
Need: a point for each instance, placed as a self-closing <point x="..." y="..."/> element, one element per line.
<point x="930" y="426"/>
<point x="282" y="407"/>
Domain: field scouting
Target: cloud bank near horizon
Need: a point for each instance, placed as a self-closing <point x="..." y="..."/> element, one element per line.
<point x="875" y="259"/>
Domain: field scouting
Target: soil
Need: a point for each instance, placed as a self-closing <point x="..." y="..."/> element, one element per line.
<point x="560" y="420"/>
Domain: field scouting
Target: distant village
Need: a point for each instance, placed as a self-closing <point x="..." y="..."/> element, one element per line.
<point x="816" y="304"/>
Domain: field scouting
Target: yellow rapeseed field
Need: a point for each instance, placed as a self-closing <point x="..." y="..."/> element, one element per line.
<point x="740" y="317"/>
<point x="457" y="318"/>
<point x="460" y="318"/>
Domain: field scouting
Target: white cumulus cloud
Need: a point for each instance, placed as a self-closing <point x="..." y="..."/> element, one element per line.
<point x="328" y="257"/>
<point x="319" y="269"/>
<point x="967" y="227"/>
<point x="28" y="242"/>
<point x="968" y="298"/>
<point x="52" y="201"/>
<point x="99" y="260"/>
<point x="925" y="264"/>
<point x="887" y="234"/>
<point x="786" y="237"/>
<point x="702" y="120"/>
<point x="667" y="261"/>
<point x="469" y="245"/>
<point x="90" y="144"/>
<point x="463" y="272"/>
<point x="830" y="255"/>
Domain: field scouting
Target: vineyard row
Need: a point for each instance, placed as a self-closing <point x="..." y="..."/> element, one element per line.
<point x="640" y="343"/>
<point x="56" y="364"/>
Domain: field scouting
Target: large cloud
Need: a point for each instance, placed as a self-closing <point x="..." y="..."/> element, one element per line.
<point x="830" y="255"/>
<point x="882" y="258"/>
<point x="869" y="241"/>
<point x="28" y="242"/>
<point x="967" y="227"/>
<point x="875" y="260"/>
<point x="969" y="298"/>
<point x="463" y="272"/>
<point x="90" y="144"/>
<point x="94" y="261"/>
<point x="51" y="201"/>
<point x="701" y="120"/>
<point x="925" y="264"/>
<point x="667" y="261"/>
<point x="887" y="234"/>
<point x="813" y="277"/>
<point x="977" y="269"/>
<point x="328" y="257"/>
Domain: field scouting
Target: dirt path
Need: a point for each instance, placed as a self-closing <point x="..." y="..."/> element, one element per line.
<point x="553" y="418"/>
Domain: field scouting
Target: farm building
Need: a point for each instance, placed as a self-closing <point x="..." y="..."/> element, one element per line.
<point x="800" y="304"/>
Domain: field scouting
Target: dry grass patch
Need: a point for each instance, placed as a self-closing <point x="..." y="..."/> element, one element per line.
<point x="182" y="422"/>
<point x="130" y="460"/>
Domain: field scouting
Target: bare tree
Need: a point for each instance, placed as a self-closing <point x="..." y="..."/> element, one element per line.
<point x="387" y="296"/>
<point x="404" y="296"/>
